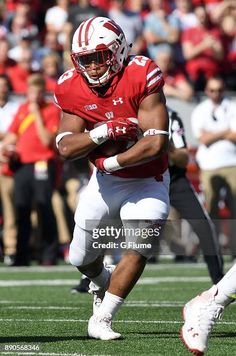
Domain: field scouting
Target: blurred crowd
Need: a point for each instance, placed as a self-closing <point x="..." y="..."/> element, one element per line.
<point x="191" y="41"/>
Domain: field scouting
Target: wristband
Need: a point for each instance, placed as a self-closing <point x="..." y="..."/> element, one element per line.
<point x="99" y="134"/>
<point x="111" y="164"/>
<point x="61" y="135"/>
<point x="153" y="132"/>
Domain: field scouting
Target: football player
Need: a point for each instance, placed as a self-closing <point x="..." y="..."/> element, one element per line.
<point x="201" y="313"/>
<point x="114" y="112"/>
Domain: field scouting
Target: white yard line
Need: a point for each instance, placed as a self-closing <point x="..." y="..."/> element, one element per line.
<point x="143" y="304"/>
<point x="33" y="269"/>
<point x="71" y="282"/>
<point x="15" y="320"/>
<point x="153" y="280"/>
<point x="69" y="268"/>
<point x="38" y="282"/>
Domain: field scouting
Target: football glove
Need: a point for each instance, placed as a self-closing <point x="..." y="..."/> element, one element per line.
<point x="123" y="129"/>
<point x="99" y="163"/>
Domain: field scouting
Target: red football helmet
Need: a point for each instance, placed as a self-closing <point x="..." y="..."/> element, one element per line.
<point x="102" y="41"/>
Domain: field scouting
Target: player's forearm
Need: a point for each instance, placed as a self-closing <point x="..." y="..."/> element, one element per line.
<point x="146" y="149"/>
<point x="76" y="145"/>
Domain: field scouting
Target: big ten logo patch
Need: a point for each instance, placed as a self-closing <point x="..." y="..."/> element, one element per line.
<point x="90" y="107"/>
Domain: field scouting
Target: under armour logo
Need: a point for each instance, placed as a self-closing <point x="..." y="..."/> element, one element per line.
<point x="121" y="129"/>
<point x="118" y="101"/>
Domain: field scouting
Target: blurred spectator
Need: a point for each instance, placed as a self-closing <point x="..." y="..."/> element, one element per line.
<point x="8" y="109"/>
<point x="77" y="14"/>
<point x="210" y="5"/>
<point x="102" y="4"/>
<point x="67" y="63"/>
<point x="185" y="14"/>
<point x="160" y="29"/>
<point x="202" y="50"/>
<point x="33" y="130"/>
<point x="214" y="125"/>
<point x="176" y="83"/>
<point x="25" y="43"/>
<point x="228" y="30"/>
<point x="5" y="61"/>
<point x="138" y="6"/>
<point x="50" y="45"/>
<point x="3" y="32"/>
<point x="51" y="70"/>
<point x="19" y="73"/>
<point x="74" y="178"/>
<point x="226" y="7"/>
<point x="56" y="17"/>
<point x="21" y="25"/>
<point x="130" y="22"/>
<point x="11" y="6"/>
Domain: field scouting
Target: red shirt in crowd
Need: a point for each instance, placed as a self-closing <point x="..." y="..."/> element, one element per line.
<point x="174" y="77"/>
<point x="18" y="77"/>
<point x="205" y="2"/>
<point x="29" y="146"/>
<point x="204" y="62"/>
<point x="5" y="66"/>
<point x="50" y="84"/>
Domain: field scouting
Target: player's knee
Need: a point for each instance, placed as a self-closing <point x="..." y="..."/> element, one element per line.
<point x="76" y="257"/>
<point x="80" y="258"/>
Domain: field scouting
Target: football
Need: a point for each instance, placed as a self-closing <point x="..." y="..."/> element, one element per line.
<point x="111" y="148"/>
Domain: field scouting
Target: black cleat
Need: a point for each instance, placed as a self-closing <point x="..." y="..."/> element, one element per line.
<point x="82" y="287"/>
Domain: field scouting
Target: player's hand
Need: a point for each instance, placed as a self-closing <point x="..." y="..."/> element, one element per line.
<point x="99" y="163"/>
<point x="123" y="129"/>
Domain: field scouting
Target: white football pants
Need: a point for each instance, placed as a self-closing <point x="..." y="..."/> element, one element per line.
<point x="109" y="200"/>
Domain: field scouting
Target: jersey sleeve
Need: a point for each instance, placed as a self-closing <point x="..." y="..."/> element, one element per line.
<point x="153" y="80"/>
<point x="63" y="95"/>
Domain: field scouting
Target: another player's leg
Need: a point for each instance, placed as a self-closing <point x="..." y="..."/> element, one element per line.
<point x="201" y="313"/>
<point x="192" y="210"/>
<point x="82" y="286"/>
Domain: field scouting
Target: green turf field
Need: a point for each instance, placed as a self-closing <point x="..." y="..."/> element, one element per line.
<point x="37" y="311"/>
